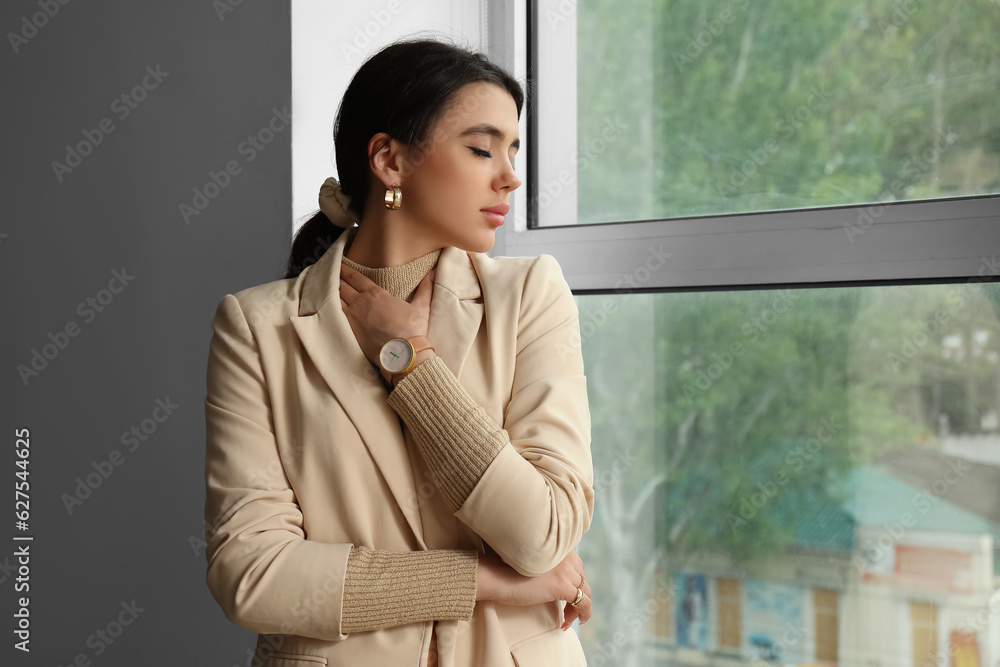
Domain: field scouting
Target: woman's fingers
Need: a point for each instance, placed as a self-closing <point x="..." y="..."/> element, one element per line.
<point x="375" y="315"/>
<point x="353" y="283"/>
<point x="359" y="281"/>
<point x="347" y="292"/>
<point x="582" y="611"/>
<point x="585" y="608"/>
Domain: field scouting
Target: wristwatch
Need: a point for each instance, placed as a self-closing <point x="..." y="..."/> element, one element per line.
<point x="398" y="354"/>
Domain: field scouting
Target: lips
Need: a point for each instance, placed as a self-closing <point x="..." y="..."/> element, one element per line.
<point x="496" y="213"/>
<point x="501" y="209"/>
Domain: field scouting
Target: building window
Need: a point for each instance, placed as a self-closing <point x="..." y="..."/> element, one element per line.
<point x="924" y="631"/>
<point x="730" y="612"/>
<point x="826" y="623"/>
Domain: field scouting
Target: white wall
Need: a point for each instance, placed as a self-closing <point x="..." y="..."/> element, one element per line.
<point x="329" y="42"/>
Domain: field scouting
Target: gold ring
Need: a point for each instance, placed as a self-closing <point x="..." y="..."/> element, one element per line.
<point x="579" y="597"/>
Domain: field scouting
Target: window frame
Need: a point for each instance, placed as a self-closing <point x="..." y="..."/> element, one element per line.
<point x="942" y="239"/>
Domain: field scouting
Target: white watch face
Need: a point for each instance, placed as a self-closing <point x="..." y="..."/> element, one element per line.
<point x="396" y="355"/>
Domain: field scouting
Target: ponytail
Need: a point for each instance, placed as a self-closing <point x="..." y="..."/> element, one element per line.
<point x="311" y="241"/>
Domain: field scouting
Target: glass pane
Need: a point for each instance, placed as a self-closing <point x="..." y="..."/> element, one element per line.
<point x="794" y="477"/>
<point x="687" y="108"/>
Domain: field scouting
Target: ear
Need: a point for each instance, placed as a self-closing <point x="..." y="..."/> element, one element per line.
<point x="387" y="159"/>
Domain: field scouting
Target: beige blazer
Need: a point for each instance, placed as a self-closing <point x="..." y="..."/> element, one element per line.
<point x="305" y="459"/>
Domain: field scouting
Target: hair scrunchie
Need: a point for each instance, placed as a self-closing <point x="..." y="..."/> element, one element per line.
<point x="334" y="203"/>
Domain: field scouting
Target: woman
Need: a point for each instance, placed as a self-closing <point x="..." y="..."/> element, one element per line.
<point x="398" y="449"/>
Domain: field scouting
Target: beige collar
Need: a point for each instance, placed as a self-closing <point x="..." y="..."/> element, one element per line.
<point x="321" y="281"/>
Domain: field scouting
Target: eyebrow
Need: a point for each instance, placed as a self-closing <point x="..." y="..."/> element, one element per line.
<point x="491" y="130"/>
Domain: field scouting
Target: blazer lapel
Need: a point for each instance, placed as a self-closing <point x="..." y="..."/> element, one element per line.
<point x="456" y="308"/>
<point x="328" y="339"/>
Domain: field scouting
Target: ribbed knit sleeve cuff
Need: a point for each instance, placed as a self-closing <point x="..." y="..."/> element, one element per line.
<point x="383" y="589"/>
<point x="456" y="437"/>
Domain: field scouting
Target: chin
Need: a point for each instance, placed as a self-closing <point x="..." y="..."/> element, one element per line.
<point x="479" y="244"/>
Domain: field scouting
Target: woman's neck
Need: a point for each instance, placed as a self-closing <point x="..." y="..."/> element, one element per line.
<point x="388" y="239"/>
<point x="401" y="280"/>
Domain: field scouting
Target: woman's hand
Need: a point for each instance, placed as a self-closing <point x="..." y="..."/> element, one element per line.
<point x="497" y="581"/>
<point x="376" y="316"/>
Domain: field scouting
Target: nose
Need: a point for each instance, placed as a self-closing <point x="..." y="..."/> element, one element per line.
<point x="516" y="182"/>
<point x="507" y="179"/>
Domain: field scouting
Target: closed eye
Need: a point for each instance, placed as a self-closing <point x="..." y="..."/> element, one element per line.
<point x="480" y="152"/>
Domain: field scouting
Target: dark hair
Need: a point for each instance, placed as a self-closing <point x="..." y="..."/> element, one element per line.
<point x="403" y="90"/>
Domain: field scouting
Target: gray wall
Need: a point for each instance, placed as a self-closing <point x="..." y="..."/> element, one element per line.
<point x="135" y="537"/>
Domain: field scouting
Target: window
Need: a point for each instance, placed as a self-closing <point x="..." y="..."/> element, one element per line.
<point x="768" y="234"/>
<point x="728" y="106"/>
<point x="792" y="363"/>
<point x="664" y="621"/>
<point x="924" y="626"/>
<point x="826" y="623"/>
<point x="806" y="441"/>
<point x="730" y="613"/>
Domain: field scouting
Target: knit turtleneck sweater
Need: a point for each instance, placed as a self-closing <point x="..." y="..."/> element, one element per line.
<point x="458" y="441"/>
<point x="399" y="281"/>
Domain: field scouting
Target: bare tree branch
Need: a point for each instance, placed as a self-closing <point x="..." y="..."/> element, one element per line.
<point x="644" y="496"/>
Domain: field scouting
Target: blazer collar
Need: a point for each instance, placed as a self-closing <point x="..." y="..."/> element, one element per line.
<point x="326" y="335"/>
<point x="322" y="280"/>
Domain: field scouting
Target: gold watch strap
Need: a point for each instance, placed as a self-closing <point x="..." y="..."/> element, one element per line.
<point x="419" y="343"/>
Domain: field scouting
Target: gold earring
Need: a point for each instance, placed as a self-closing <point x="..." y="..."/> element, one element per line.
<point x="393" y="198"/>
